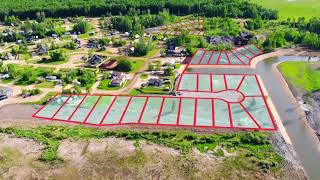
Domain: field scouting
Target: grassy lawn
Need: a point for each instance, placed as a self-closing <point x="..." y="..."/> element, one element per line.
<point x="136" y="65"/>
<point x="292" y="9"/>
<point x="6" y="81"/>
<point x="51" y="63"/>
<point x="104" y="85"/>
<point x="46" y="84"/>
<point x="144" y="76"/>
<point x="302" y="74"/>
<point x="44" y="99"/>
<point x="152" y="53"/>
<point x="85" y="36"/>
<point x="149" y="90"/>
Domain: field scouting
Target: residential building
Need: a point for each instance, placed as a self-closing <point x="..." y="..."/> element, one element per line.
<point x="155" y="82"/>
<point x="5" y="92"/>
<point x="42" y="49"/>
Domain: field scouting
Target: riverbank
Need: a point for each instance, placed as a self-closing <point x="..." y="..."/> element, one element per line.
<point x="304" y="82"/>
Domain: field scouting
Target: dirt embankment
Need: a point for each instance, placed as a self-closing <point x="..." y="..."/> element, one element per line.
<point x="311" y="104"/>
<point x="111" y="158"/>
<point x="291" y="162"/>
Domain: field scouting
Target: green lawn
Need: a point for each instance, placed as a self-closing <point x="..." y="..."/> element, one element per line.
<point x="136" y="65"/>
<point x="46" y="84"/>
<point x="144" y="76"/>
<point x="302" y="74"/>
<point x="104" y="85"/>
<point x="292" y="8"/>
<point x="44" y="99"/>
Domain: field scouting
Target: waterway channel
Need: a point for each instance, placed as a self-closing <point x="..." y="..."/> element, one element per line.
<point x="302" y="137"/>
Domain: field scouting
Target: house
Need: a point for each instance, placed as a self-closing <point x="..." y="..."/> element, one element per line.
<point x="95" y="60"/>
<point x="42" y="49"/>
<point x="54" y="36"/>
<point x="94" y="43"/>
<point x="118" y="81"/>
<point x="116" y="74"/>
<point x="158" y="73"/>
<point x="174" y="51"/>
<point x="8" y="56"/>
<point x="51" y="78"/>
<point x="220" y="40"/>
<point x="31" y="39"/>
<point x="78" y="43"/>
<point x="118" y="78"/>
<point x="5" y="92"/>
<point x="240" y="40"/>
<point x="4" y="76"/>
<point x="155" y="82"/>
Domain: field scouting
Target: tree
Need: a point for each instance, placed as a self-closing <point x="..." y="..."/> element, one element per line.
<point x="41" y="16"/>
<point x="82" y="27"/>
<point x="255" y="23"/>
<point x="124" y="65"/>
<point x="71" y="46"/>
<point x="137" y="30"/>
<point x="275" y="40"/>
<point x="142" y="48"/>
<point x="11" y="20"/>
<point x="57" y="55"/>
<point x="168" y="71"/>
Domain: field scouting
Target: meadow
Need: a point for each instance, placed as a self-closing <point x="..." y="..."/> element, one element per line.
<point x="302" y="75"/>
<point x="292" y="8"/>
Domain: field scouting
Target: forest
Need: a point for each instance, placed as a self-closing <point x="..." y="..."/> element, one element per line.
<point x="64" y="8"/>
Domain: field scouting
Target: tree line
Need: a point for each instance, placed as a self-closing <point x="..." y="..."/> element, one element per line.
<point x="136" y="24"/>
<point x="299" y="32"/>
<point x="210" y="8"/>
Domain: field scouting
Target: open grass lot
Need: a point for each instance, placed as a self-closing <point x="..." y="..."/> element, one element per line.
<point x="136" y="65"/>
<point x="292" y="8"/>
<point x="104" y="85"/>
<point x="46" y="84"/>
<point x="302" y="75"/>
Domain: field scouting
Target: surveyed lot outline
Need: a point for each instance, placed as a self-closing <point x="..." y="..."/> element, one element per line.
<point x="208" y="101"/>
<point x="237" y="56"/>
<point x="193" y="27"/>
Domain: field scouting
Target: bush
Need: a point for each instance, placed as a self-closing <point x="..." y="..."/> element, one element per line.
<point x="141" y="48"/>
<point x="124" y="65"/>
<point x="82" y="27"/>
<point x="57" y="55"/>
<point x="71" y="46"/>
<point x="32" y="92"/>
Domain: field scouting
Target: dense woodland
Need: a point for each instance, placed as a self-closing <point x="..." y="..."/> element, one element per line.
<point x="63" y="8"/>
<point x="136" y="24"/>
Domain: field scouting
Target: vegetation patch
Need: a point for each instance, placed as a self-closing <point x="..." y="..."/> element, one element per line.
<point x="302" y="75"/>
<point x="293" y="8"/>
<point x="254" y="148"/>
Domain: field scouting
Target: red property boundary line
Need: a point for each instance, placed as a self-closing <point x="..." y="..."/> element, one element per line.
<point x="188" y="25"/>
<point x="209" y="62"/>
<point x="159" y="114"/>
<point x="211" y="82"/>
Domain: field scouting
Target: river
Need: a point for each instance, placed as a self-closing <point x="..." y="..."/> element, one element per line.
<point x="303" y="139"/>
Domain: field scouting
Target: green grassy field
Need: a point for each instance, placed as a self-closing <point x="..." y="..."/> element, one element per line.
<point x="292" y="8"/>
<point x="302" y="75"/>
